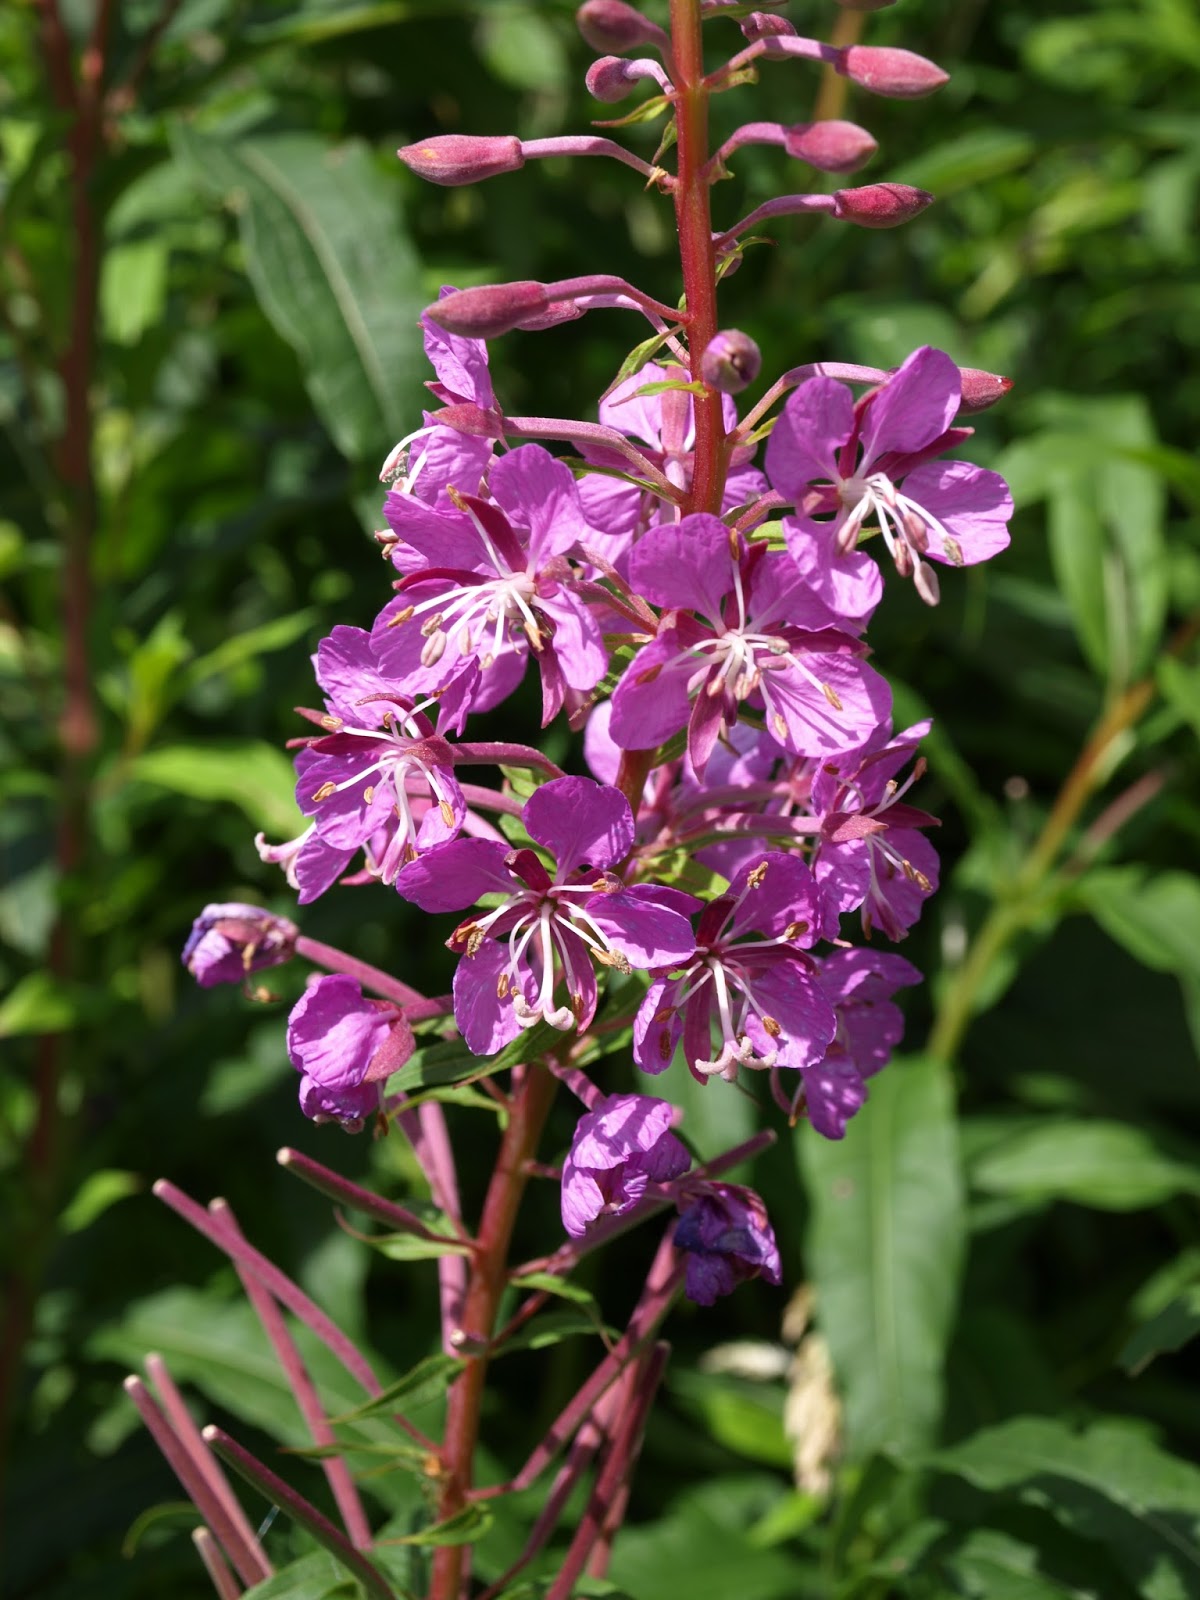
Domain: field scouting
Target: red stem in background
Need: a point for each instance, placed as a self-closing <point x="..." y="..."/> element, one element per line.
<point x="693" y="219"/>
<point x="79" y="98"/>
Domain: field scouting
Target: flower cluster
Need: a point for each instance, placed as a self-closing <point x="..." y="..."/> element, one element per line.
<point x="699" y="613"/>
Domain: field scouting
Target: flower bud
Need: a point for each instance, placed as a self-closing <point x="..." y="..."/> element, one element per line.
<point x="456" y="158"/>
<point x="466" y="417"/>
<point x="730" y="361"/>
<point x="761" y="25"/>
<point x="831" y="146"/>
<point x="897" y="74"/>
<point x="610" y="79"/>
<point x="981" y="389"/>
<point x="227" y="942"/>
<point x="880" y="205"/>
<point x="489" y="310"/>
<point x="614" y="27"/>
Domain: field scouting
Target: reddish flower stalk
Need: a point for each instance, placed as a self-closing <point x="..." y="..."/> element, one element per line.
<point x="209" y="1551"/>
<point x="252" y="1566"/>
<point x="337" y="1473"/>
<point x="298" y="1508"/>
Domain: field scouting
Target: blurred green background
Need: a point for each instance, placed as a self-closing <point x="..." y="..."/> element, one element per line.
<point x="1006" y="1249"/>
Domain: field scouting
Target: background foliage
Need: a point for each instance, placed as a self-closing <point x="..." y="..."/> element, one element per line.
<point x="1005" y="1251"/>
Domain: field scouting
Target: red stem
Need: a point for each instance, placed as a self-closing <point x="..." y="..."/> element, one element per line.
<point x="693" y="219"/>
<point x="531" y="1101"/>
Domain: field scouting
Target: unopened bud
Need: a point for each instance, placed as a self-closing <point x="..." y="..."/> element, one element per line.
<point x="456" y="158"/>
<point x="897" y="74"/>
<point x="611" y="79"/>
<point x="879" y="205"/>
<point x="614" y="27"/>
<point x="981" y="389"/>
<point x="831" y="146"/>
<point x="760" y="25"/>
<point x="730" y="361"/>
<point x="473" y="420"/>
<point x="489" y="310"/>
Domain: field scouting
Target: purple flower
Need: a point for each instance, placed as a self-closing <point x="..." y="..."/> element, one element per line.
<point x="346" y="1047"/>
<point x="853" y="464"/>
<point x="381" y="777"/>
<point x="859" y="984"/>
<point x="488" y="583"/>
<point x="768" y="639"/>
<point x="435" y="458"/>
<point x="759" y="996"/>
<point x="728" y="1239"/>
<point x="547" y="929"/>
<point x="619" y="1148"/>
<point x="870" y="854"/>
<point x="664" y="426"/>
<point x="228" y="942"/>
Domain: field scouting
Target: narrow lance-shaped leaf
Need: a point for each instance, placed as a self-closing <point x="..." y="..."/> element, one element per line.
<point x="885" y="1250"/>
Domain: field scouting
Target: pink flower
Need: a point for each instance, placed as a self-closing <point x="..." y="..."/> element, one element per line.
<point x="844" y="465"/>
<point x="618" y="1149"/>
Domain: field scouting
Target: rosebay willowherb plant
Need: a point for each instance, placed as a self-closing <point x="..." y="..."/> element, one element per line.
<point x="697" y="608"/>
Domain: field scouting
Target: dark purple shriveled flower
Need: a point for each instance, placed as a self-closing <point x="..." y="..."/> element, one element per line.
<point x="767" y="640"/>
<point x="727" y="1237"/>
<point x="873" y="462"/>
<point x="488" y="583"/>
<point x="346" y="1047"/>
<point x="758" y="995"/>
<point x="548" y="930"/>
<point x="619" y="1148"/>
<point x="229" y="941"/>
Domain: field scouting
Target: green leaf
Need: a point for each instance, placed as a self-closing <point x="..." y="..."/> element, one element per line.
<point x="431" y="1377"/>
<point x="551" y="1328"/>
<point x="464" y="1527"/>
<point x="1110" y="1165"/>
<point x="885" y="1250"/>
<point x="744" y="1417"/>
<point x="992" y="1565"/>
<point x="254" y="642"/>
<point x="133" y="289"/>
<point x="1110" y="1484"/>
<point x="314" y="1577"/>
<point x="332" y="270"/>
<point x="1156" y="918"/>
<point x="1173" y="1327"/>
<point x="37" y="1004"/>
<point x="665" y="384"/>
<point x="412" y="1247"/>
<point x="547" y="1283"/>
<point x="96" y="1193"/>
<point x="248" y="773"/>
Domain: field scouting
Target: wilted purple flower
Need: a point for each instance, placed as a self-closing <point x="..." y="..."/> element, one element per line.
<point x="547" y="929"/>
<point x="229" y="941"/>
<point x="768" y="639"/>
<point x="873" y="462"/>
<point x="618" y="1148"/>
<point x="869" y="853"/>
<point x="859" y="984"/>
<point x="760" y="996"/>
<point x="488" y="583"/>
<point x="346" y="1047"/>
<point x="728" y="1239"/>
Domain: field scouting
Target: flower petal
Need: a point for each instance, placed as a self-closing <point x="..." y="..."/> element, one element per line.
<point x="816" y="421"/>
<point x="916" y="404"/>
